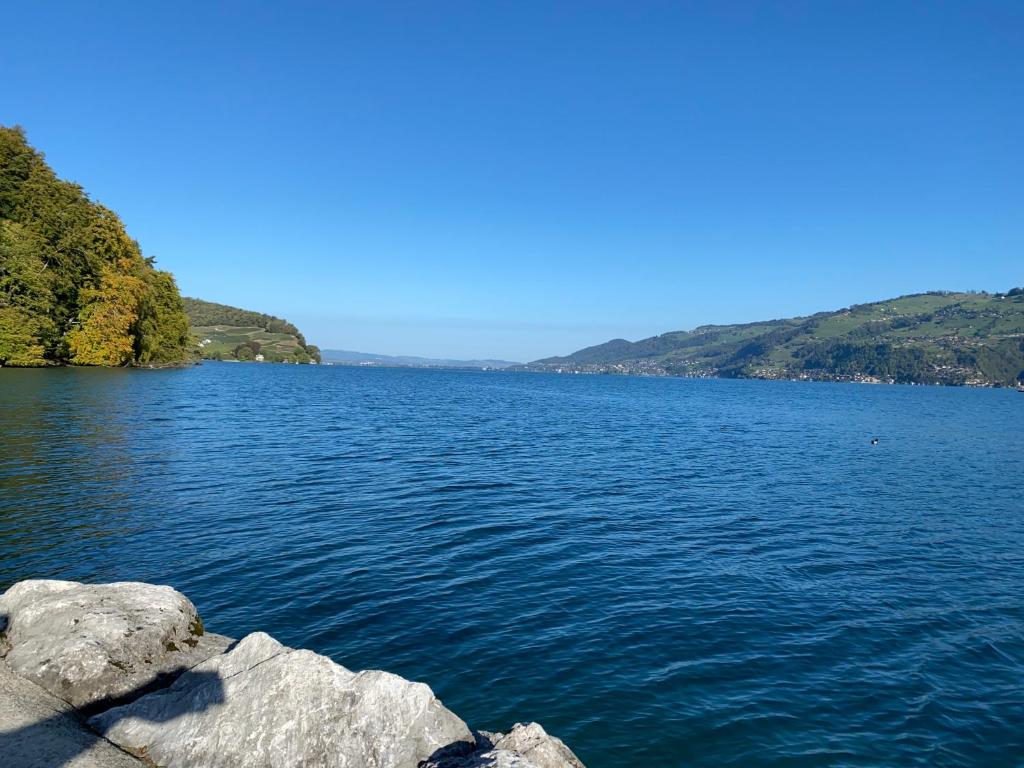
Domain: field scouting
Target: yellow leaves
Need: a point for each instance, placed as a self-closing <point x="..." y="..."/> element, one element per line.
<point x="104" y="335"/>
<point x="133" y="316"/>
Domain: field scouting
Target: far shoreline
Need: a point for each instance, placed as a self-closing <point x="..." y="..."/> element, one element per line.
<point x="516" y="370"/>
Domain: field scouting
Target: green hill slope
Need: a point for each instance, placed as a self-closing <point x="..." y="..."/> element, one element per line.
<point x="74" y="287"/>
<point x="229" y="333"/>
<point x="930" y="338"/>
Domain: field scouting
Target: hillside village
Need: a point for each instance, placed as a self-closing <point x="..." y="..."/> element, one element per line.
<point x="961" y="339"/>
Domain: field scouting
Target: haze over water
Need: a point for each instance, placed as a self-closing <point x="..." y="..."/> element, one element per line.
<point x="661" y="571"/>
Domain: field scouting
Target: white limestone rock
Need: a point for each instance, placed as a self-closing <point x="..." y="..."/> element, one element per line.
<point x="263" y="705"/>
<point x="496" y="758"/>
<point x="38" y="730"/>
<point x="92" y="645"/>
<point x="525" y="746"/>
<point x="534" y="744"/>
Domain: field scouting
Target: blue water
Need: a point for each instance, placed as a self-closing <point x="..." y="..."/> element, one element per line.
<point x="661" y="571"/>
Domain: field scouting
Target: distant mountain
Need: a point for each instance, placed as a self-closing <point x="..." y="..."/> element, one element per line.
<point x="230" y="333"/>
<point x="928" y="338"/>
<point x="347" y="357"/>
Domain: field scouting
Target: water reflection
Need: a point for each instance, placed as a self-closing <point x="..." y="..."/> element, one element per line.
<point x="68" y="465"/>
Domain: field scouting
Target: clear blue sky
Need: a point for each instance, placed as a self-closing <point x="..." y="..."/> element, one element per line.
<point x="520" y="179"/>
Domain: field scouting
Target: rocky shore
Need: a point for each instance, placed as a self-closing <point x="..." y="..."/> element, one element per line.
<point x="124" y="675"/>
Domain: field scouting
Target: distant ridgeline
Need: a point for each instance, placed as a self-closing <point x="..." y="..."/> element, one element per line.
<point x="930" y="338"/>
<point x="74" y="287"/>
<point x="229" y="333"/>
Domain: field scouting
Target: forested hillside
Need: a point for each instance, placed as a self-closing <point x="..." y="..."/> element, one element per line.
<point x="930" y="338"/>
<point x="230" y="333"/>
<point x="74" y="287"/>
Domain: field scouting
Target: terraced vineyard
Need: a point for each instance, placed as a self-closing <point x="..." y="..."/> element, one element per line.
<point x="228" y="333"/>
<point x="931" y="338"/>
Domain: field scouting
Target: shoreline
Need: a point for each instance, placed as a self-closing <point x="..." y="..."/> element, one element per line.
<point x="619" y="374"/>
<point x="807" y="379"/>
<point x="124" y="675"/>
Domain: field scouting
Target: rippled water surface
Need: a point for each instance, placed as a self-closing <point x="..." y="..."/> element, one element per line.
<point x="661" y="571"/>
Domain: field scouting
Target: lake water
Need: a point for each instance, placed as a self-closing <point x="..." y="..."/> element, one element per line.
<point x="661" y="571"/>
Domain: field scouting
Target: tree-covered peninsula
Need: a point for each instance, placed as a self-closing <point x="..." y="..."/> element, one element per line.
<point x="74" y="287"/>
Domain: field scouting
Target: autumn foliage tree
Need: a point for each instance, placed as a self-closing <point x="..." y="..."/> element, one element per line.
<point x="74" y="287"/>
<point x="109" y="315"/>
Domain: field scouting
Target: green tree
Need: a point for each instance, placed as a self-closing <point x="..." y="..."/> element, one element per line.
<point x="25" y="298"/>
<point x="74" y="287"/>
<point x="247" y="350"/>
<point x="162" y="330"/>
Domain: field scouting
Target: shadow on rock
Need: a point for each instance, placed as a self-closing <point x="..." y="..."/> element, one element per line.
<point x="162" y="681"/>
<point x="453" y="755"/>
<point x="61" y="738"/>
<point x="462" y="755"/>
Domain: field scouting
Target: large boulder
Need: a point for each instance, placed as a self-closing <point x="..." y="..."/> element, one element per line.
<point x="263" y="705"/>
<point x="98" y="645"/>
